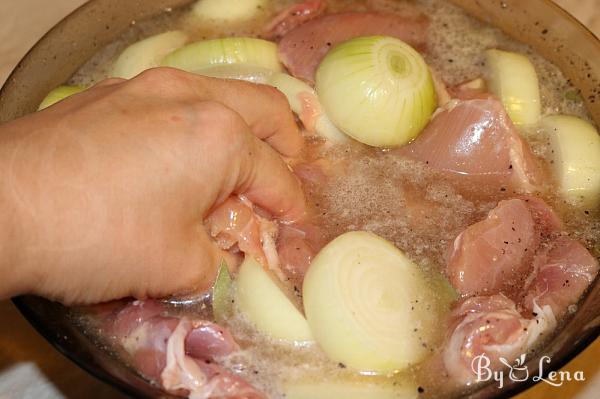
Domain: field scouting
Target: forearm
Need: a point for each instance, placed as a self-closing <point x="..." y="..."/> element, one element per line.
<point x="15" y="278"/>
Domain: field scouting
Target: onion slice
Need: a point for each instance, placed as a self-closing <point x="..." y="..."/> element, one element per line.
<point x="147" y="53"/>
<point x="228" y="11"/>
<point x="264" y="302"/>
<point x="575" y="158"/>
<point x="512" y="77"/>
<point x="376" y="89"/>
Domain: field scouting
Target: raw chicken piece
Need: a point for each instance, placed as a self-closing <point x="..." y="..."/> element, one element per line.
<point x="495" y="255"/>
<point x="547" y="222"/>
<point x="490" y="326"/>
<point x="199" y="379"/>
<point x="236" y="226"/>
<point x="293" y="16"/>
<point x="520" y="252"/>
<point x="297" y="245"/>
<point x="475" y="141"/>
<point x="563" y="271"/>
<point x="285" y="249"/>
<point x="302" y="49"/>
<point x="176" y="352"/>
<point x="314" y="172"/>
<point x="233" y="223"/>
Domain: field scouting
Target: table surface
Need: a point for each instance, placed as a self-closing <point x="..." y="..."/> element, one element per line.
<point x="30" y="368"/>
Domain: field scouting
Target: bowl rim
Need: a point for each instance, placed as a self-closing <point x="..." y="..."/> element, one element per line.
<point x="56" y="340"/>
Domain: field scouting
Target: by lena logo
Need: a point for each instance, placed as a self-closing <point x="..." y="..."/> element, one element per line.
<point x="519" y="371"/>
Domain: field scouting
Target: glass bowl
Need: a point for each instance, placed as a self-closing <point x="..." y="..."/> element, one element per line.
<point x="539" y="23"/>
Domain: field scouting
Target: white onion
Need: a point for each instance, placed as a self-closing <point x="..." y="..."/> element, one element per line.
<point x="231" y="50"/>
<point x="147" y="53"/>
<point x="575" y="158"/>
<point x="376" y="89"/>
<point x="265" y="304"/>
<point x="228" y="11"/>
<point x="368" y="306"/>
<point x="512" y="77"/>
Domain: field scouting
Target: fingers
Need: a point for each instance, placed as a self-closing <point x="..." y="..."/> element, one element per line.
<point x="269" y="183"/>
<point x="109" y="82"/>
<point x="263" y="108"/>
<point x="240" y="163"/>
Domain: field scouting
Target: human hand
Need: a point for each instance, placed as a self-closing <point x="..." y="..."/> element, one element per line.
<point x="103" y="195"/>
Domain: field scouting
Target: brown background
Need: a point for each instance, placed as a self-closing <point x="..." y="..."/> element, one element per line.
<point x="30" y="368"/>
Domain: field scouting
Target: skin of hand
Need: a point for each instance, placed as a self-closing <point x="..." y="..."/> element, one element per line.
<point x="102" y="196"/>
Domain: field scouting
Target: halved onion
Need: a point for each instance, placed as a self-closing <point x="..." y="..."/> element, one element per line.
<point x="147" y="53"/>
<point x="575" y="158"/>
<point x="60" y="93"/>
<point x="513" y="79"/>
<point x="265" y="304"/>
<point x="231" y="50"/>
<point x="376" y="89"/>
<point x="368" y="306"/>
<point x="229" y="11"/>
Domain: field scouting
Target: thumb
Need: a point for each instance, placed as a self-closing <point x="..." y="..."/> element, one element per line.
<point x="193" y="269"/>
<point x="267" y="181"/>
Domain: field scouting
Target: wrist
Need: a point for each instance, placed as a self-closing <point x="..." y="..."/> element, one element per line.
<point x="13" y="280"/>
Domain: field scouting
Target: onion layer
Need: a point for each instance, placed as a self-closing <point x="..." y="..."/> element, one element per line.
<point x="231" y="50"/>
<point x="147" y="53"/>
<point x="368" y="306"/>
<point x="249" y="73"/>
<point x="376" y="89"/>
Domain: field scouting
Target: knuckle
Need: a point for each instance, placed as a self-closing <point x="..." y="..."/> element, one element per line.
<point x="226" y="125"/>
<point x="276" y="96"/>
<point x="222" y="119"/>
<point x="161" y="78"/>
